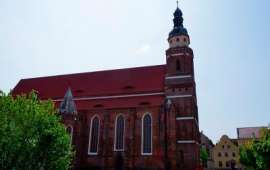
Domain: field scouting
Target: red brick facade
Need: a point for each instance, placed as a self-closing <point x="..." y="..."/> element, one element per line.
<point x="166" y="92"/>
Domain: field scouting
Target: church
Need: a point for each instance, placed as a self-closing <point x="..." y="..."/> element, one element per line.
<point x="143" y="118"/>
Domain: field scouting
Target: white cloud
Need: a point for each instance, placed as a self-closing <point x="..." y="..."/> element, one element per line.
<point x="144" y="49"/>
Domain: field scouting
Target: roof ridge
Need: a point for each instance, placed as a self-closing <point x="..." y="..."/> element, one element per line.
<point x="99" y="71"/>
<point x="253" y="127"/>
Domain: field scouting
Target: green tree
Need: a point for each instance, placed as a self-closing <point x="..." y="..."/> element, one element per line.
<point x="203" y="156"/>
<point x="31" y="135"/>
<point x="255" y="155"/>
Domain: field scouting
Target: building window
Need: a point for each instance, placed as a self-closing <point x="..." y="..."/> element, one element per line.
<point x="178" y="65"/>
<point x="220" y="164"/>
<point x="177" y="39"/>
<point x="223" y="146"/>
<point x="70" y="132"/>
<point x="219" y="154"/>
<point x="226" y="154"/>
<point x="119" y="133"/>
<point x="94" y="136"/>
<point x="228" y="146"/>
<point x="233" y="154"/>
<point x="227" y="164"/>
<point x="147" y="134"/>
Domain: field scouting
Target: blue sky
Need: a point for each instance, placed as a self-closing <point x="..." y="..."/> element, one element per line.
<point x="230" y="39"/>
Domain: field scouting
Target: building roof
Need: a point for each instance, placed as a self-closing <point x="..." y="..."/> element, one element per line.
<point x="205" y="140"/>
<point x="249" y="132"/>
<point x="225" y="138"/>
<point x="139" y="80"/>
<point x="118" y="103"/>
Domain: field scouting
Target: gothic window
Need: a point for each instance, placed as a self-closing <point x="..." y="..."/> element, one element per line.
<point x="178" y="65"/>
<point x="147" y="134"/>
<point x="93" y="137"/>
<point x="219" y="154"/>
<point x="233" y="154"/>
<point x="119" y="133"/>
<point x="226" y="154"/>
<point x="69" y="130"/>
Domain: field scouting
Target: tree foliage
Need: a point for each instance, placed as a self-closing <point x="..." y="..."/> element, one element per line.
<point x="203" y="156"/>
<point x="31" y="135"/>
<point x="255" y="155"/>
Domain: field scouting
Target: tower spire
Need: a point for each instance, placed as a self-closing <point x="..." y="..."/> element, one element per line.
<point x="178" y="27"/>
<point x="178" y="30"/>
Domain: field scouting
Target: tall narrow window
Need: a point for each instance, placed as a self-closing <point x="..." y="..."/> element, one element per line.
<point x="93" y="137"/>
<point x="220" y="164"/>
<point x="119" y="133"/>
<point x="147" y="134"/>
<point x="70" y="132"/>
<point x="178" y="65"/>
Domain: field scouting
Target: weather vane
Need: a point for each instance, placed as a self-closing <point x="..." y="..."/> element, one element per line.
<point x="177" y="3"/>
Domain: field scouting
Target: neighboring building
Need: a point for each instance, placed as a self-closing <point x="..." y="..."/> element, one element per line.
<point x="136" y="118"/>
<point x="208" y="145"/>
<point x="246" y="134"/>
<point x="225" y="153"/>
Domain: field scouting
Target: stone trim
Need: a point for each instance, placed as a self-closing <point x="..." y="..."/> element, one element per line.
<point x="112" y="97"/>
<point x="179" y="96"/>
<point x="187" y="142"/>
<point x="178" y="77"/>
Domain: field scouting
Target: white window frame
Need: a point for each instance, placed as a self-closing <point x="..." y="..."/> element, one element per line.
<point x="115" y="133"/>
<point x="90" y="135"/>
<point x="142" y="135"/>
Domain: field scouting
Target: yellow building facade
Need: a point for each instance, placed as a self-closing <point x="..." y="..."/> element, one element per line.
<point x="225" y="153"/>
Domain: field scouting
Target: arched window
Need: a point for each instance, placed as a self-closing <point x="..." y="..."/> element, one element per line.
<point x="94" y="136"/>
<point x="119" y="133"/>
<point x="178" y="65"/>
<point x="69" y="130"/>
<point x="147" y="134"/>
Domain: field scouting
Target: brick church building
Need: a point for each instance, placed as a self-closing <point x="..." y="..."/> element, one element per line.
<point x="134" y="118"/>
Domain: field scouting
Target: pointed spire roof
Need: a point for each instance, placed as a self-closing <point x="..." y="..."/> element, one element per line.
<point x="178" y="28"/>
<point x="68" y="105"/>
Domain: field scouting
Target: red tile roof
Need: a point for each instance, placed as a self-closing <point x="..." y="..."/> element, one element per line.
<point x="118" y="103"/>
<point x="138" y="80"/>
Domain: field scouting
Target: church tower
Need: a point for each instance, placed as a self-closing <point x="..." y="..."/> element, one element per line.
<point x="180" y="89"/>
